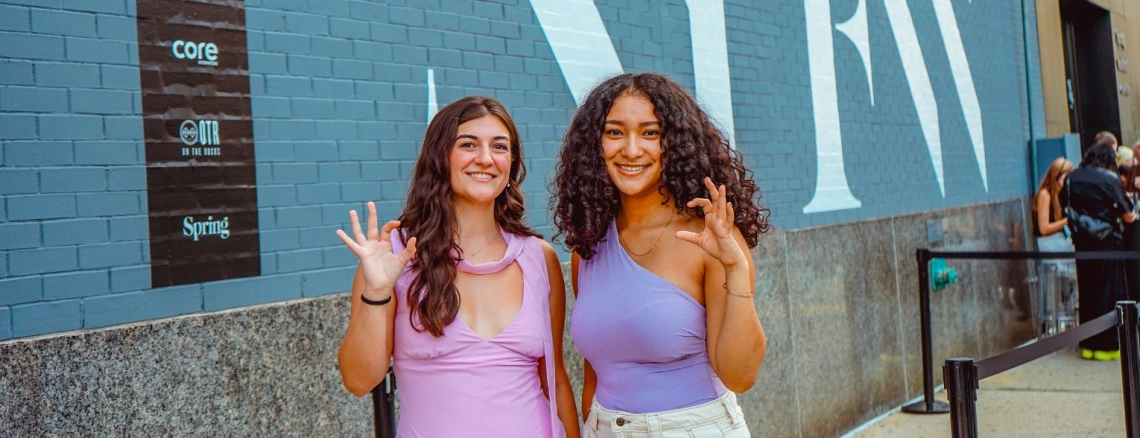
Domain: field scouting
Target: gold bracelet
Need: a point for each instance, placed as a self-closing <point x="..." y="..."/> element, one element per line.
<point x="738" y="294"/>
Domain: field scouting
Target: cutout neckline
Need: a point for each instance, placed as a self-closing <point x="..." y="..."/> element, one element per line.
<point x="514" y="248"/>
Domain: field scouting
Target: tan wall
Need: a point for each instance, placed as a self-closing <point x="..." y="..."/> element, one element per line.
<point x="1125" y="15"/>
<point x="1127" y="20"/>
<point x="1051" y="47"/>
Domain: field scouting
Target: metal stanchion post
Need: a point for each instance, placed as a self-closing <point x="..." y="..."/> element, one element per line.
<point x="384" y="418"/>
<point x="928" y="405"/>
<point x="960" y="377"/>
<point x="1129" y="365"/>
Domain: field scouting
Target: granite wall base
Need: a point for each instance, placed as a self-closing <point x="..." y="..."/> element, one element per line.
<point x="839" y="305"/>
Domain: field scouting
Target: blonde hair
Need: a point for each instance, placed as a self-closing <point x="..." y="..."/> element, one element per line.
<point x="1051" y="185"/>
<point x="1124" y="156"/>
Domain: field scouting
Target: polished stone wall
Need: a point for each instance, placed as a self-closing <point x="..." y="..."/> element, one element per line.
<point x="839" y="305"/>
<point x="261" y="371"/>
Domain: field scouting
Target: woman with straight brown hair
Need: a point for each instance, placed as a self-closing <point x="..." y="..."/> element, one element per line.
<point x="1048" y="219"/>
<point x="465" y="298"/>
<point x="1049" y="227"/>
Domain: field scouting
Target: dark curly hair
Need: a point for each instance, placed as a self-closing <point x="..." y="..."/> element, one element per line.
<point x="1101" y="155"/>
<point x="430" y="217"/>
<point x="586" y="201"/>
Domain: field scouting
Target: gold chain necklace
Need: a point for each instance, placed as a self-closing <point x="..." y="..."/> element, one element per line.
<point x="489" y="242"/>
<point x="659" y="236"/>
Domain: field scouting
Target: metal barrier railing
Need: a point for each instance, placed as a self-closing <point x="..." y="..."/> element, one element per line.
<point x="962" y="375"/>
<point x="383" y="411"/>
<point x="928" y="405"/>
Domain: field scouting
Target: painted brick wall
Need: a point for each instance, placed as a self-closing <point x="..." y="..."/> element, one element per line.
<point x="340" y="100"/>
<point x="73" y="232"/>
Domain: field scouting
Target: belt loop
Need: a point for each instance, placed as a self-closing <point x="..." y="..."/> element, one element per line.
<point x="653" y="425"/>
<point x="729" y="403"/>
<point x="595" y="413"/>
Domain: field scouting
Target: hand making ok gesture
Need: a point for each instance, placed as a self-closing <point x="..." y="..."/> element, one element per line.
<point x="380" y="266"/>
<point x="717" y="237"/>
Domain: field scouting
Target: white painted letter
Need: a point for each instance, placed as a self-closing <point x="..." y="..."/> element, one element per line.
<point x="914" y="65"/>
<point x="964" y="81"/>
<point x="831" y="190"/>
<point x="433" y="102"/>
<point x="580" y="43"/>
<point x="855" y="28"/>
<point x="710" y="62"/>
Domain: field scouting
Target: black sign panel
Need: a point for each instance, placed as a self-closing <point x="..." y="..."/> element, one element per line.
<point x="201" y="174"/>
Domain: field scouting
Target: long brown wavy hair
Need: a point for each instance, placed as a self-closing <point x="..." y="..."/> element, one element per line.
<point x="1051" y="184"/>
<point x="586" y="201"/>
<point x="430" y="217"/>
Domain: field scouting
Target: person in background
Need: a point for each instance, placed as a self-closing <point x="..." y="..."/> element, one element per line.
<point x="660" y="213"/>
<point x="1094" y="190"/>
<point x="1050" y="229"/>
<point x="460" y="293"/>
<point x="1125" y="157"/>
<point x="1130" y="176"/>
<point x="1107" y="137"/>
<point x="1048" y="219"/>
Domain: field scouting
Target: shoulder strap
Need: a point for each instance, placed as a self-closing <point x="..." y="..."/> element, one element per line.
<point x="534" y="255"/>
<point x="397" y="241"/>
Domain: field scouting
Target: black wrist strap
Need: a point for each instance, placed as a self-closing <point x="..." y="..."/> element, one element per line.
<point x="375" y="303"/>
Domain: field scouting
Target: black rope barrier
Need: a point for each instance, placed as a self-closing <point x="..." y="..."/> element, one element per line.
<point x="928" y="405"/>
<point x="962" y="375"/>
<point x="1029" y="255"/>
<point x="1028" y="353"/>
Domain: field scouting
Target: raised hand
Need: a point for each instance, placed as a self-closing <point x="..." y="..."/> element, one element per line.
<point x="380" y="266"/>
<point x="717" y="236"/>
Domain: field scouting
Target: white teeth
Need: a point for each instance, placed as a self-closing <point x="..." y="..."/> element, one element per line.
<point x="631" y="168"/>
<point x="482" y="176"/>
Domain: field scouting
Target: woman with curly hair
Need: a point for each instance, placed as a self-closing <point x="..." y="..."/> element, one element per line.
<point x="660" y="213"/>
<point x="475" y="332"/>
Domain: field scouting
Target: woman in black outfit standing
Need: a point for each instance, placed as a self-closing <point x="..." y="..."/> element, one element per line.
<point x="1095" y="190"/>
<point x="1130" y="176"/>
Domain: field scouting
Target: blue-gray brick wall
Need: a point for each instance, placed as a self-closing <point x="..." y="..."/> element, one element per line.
<point x="73" y="177"/>
<point x="339" y="99"/>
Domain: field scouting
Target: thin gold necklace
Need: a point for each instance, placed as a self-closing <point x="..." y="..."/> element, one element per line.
<point x="659" y="236"/>
<point x="489" y="242"/>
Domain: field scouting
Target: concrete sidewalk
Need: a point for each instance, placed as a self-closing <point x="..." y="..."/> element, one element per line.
<point x="1059" y="395"/>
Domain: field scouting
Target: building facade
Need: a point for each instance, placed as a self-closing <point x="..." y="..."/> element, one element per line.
<point x="1087" y="82"/>
<point x="873" y="128"/>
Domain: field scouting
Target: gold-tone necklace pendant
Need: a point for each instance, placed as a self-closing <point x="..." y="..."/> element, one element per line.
<point x="659" y="236"/>
<point x="485" y="246"/>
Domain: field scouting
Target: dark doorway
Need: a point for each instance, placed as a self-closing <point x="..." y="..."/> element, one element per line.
<point x="1090" y="70"/>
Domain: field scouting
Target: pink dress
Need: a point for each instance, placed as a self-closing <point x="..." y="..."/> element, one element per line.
<point x="460" y="384"/>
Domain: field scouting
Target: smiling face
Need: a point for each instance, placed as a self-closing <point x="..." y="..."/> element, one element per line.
<point x="631" y="146"/>
<point x="480" y="160"/>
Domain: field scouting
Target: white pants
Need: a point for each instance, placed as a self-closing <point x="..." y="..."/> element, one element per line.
<point x="719" y="418"/>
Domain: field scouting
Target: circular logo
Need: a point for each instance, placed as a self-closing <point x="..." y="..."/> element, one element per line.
<point x="188" y="132"/>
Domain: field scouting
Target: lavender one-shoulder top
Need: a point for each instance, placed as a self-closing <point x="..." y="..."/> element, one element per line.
<point x="643" y="336"/>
